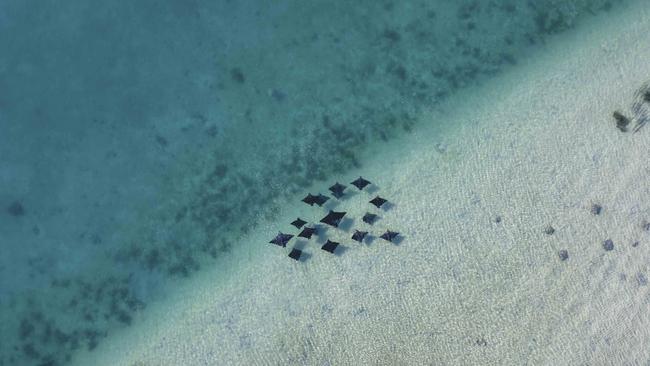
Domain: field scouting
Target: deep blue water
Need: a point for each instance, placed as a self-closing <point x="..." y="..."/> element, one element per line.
<point x="140" y="140"/>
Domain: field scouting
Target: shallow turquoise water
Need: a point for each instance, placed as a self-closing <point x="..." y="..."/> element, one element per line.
<point x="138" y="142"/>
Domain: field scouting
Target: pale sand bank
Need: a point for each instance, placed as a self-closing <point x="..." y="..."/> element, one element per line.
<point x="536" y="147"/>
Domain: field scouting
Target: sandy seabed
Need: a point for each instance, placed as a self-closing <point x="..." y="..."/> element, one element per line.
<point x="477" y="278"/>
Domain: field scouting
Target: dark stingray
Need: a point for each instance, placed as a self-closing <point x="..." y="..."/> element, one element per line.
<point x="281" y="239"/>
<point x="307" y="232"/>
<point x="389" y="235"/>
<point x="359" y="235"/>
<point x="378" y="201"/>
<point x="330" y="246"/>
<point x="309" y="199"/>
<point x="337" y="190"/>
<point x="295" y="254"/>
<point x="333" y="218"/>
<point x="298" y="223"/>
<point x="369" y="218"/>
<point x="360" y="183"/>
<point x="321" y="199"/>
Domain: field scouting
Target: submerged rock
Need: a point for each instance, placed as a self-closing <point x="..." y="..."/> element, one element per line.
<point x="608" y="245"/>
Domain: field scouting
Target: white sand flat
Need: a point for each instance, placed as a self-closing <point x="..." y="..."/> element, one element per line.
<point x="537" y="147"/>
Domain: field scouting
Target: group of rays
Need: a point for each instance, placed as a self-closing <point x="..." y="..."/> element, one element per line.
<point x="333" y="218"/>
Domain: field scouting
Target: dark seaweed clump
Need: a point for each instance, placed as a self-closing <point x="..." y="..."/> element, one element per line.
<point x="92" y="309"/>
<point x="16" y="209"/>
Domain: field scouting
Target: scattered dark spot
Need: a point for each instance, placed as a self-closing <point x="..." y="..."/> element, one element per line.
<point x="123" y="317"/>
<point x="64" y="283"/>
<point x="368" y="69"/>
<point x="400" y="72"/>
<point x="134" y="304"/>
<point x="596" y="209"/>
<point x="30" y="351"/>
<point x="180" y="214"/>
<point x="645" y="225"/>
<point x="25" y="329"/>
<point x="237" y="75"/>
<point x="607" y="6"/>
<point x="16" y="209"/>
<point x="198" y="117"/>
<point x="95" y="239"/>
<point x="60" y="337"/>
<point x="248" y="115"/>
<point x="531" y="39"/>
<point x="74" y="340"/>
<point x="226" y="246"/>
<point x="326" y="121"/>
<point x="246" y="181"/>
<point x="635" y="244"/>
<point x="391" y="35"/>
<point x="621" y="121"/>
<point x="563" y="254"/>
<point x="646" y="96"/>
<point x="92" y="344"/>
<point x="549" y="21"/>
<point x="641" y="279"/>
<point x="278" y="95"/>
<point x="38" y="316"/>
<point x="508" y="58"/>
<point x="212" y="131"/>
<point x="153" y="259"/>
<point x="467" y="10"/>
<point x="161" y="141"/>
<point x="383" y="136"/>
<point x="92" y="338"/>
<point x="47" y="333"/>
<point x="497" y="219"/>
<point x="608" y="245"/>
<point x="481" y="342"/>
<point x="549" y="230"/>
<point x="47" y="360"/>
<point x="178" y="269"/>
<point x="219" y="171"/>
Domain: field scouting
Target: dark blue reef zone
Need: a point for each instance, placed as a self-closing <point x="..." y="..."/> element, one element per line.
<point x="140" y="140"/>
